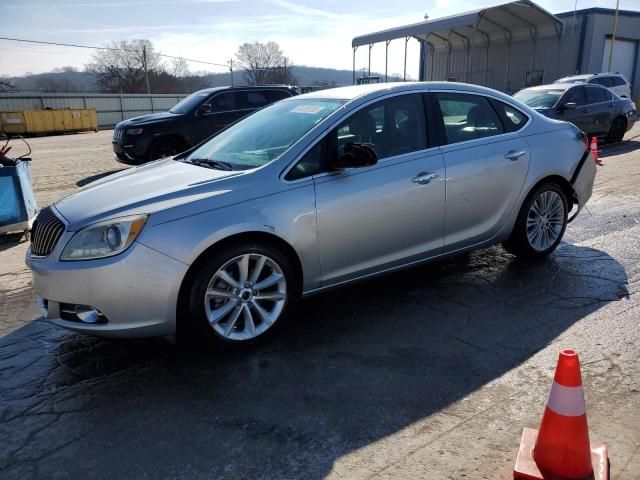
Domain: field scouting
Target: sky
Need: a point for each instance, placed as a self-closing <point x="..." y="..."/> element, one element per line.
<point x="314" y="33"/>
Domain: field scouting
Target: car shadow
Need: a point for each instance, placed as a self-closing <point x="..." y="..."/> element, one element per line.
<point x="9" y="240"/>
<point x="93" y="178"/>
<point x="616" y="149"/>
<point x="354" y="366"/>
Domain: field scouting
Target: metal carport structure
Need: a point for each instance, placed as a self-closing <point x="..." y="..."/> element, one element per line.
<point x="469" y="36"/>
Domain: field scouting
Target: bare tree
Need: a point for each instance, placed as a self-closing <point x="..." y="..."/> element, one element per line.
<point x="178" y="67"/>
<point x="121" y="67"/>
<point x="6" y="84"/>
<point x="264" y="63"/>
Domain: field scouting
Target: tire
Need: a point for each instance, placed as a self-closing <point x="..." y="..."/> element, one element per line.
<point x="617" y="130"/>
<point x="165" y="147"/>
<point x="240" y="314"/>
<point x="543" y="236"/>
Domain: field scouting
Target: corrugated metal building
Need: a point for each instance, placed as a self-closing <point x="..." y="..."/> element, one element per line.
<point x="518" y="44"/>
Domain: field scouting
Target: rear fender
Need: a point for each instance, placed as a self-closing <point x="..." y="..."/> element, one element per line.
<point x="582" y="181"/>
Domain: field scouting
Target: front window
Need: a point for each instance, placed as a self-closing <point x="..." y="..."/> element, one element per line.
<point x="192" y="101"/>
<point x="264" y="136"/>
<point x="539" y="98"/>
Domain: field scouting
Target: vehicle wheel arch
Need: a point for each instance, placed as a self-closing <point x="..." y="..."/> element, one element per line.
<point x="256" y="236"/>
<point x="164" y="136"/>
<point x="558" y="179"/>
<point x="175" y="136"/>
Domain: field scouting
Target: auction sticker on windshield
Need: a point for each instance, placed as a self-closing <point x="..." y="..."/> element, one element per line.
<point x="308" y="109"/>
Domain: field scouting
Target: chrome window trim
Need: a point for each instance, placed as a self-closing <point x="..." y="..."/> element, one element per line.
<point x="335" y="123"/>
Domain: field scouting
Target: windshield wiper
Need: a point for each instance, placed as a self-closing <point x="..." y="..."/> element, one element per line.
<point x="210" y="163"/>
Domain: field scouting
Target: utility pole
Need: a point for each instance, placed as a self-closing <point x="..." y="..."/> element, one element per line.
<point x="613" y="35"/>
<point x="146" y="70"/>
<point x="285" y="70"/>
<point x="231" y="70"/>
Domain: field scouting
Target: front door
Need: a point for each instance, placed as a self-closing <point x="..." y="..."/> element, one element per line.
<point x="486" y="163"/>
<point x="389" y="214"/>
<point x="581" y="116"/>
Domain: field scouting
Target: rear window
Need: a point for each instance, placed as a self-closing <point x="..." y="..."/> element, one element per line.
<point x="618" y="81"/>
<point x="604" y="81"/>
<point x="513" y="118"/>
<point x="275" y="95"/>
<point x="252" y="99"/>
<point x="468" y="117"/>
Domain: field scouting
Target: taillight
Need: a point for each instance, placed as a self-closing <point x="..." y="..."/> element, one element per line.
<point x="585" y="140"/>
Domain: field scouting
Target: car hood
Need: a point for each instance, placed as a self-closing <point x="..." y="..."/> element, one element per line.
<point x="147" y="119"/>
<point x="149" y="188"/>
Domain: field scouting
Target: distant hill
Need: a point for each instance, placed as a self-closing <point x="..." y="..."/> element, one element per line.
<point x="69" y="80"/>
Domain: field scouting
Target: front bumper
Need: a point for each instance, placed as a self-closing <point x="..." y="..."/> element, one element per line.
<point x="129" y="151"/>
<point x="136" y="291"/>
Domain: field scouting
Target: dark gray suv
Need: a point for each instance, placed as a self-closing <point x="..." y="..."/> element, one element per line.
<point x="195" y="118"/>
<point x="595" y="110"/>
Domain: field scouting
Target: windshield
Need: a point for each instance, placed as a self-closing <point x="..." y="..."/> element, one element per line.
<point x="192" y="101"/>
<point x="539" y="98"/>
<point x="265" y="135"/>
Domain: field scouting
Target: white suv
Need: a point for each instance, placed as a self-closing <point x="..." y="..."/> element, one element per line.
<point x="613" y="81"/>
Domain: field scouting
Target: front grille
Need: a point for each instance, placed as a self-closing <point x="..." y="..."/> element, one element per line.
<point x="118" y="134"/>
<point x="45" y="232"/>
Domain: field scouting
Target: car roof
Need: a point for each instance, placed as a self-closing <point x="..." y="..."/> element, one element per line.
<point x="247" y="87"/>
<point x="359" y="91"/>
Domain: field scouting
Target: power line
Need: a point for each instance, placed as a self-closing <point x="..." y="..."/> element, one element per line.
<point x="93" y="47"/>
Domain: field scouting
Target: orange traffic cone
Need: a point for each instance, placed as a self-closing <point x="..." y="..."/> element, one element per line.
<point x="561" y="448"/>
<point x="594" y="150"/>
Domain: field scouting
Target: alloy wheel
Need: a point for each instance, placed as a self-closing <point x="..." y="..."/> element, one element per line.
<point x="545" y="220"/>
<point x="245" y="297"/>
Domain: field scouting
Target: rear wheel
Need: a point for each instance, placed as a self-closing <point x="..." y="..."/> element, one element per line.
<point x="617" y="130"/>
<point x="241" y="293"/>
<point x="165" y="147"/>
<point x="541" y="222"/>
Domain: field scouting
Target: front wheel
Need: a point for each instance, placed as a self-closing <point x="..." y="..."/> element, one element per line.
<point x="617" y="131"/>
<point x="241" y="293"/>
<point x="541" y="222"/>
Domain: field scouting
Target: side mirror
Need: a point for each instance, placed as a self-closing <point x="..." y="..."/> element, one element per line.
<point x="204" y="109"/>
<point x="569" y="106"/>
<point x="356" y="155"/>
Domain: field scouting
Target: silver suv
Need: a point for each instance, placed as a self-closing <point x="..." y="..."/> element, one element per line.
<point x="613" y="81"/>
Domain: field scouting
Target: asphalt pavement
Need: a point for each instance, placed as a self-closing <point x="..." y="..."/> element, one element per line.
<point x="429" y="373"/>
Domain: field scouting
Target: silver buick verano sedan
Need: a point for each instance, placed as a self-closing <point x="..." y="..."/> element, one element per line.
<point x="307" y="194"/>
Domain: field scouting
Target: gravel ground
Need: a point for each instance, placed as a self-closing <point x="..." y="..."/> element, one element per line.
<point x="431" y="373"/>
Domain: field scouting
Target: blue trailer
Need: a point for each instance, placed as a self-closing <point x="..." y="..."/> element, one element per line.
<point x="17" y="203"/>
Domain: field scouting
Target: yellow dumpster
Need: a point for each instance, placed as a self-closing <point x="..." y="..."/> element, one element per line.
<point x="49" y="121"/>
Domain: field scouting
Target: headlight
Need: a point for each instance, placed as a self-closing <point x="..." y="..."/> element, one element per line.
<point x="104" y="239"/>
<point x="134" y="131"/>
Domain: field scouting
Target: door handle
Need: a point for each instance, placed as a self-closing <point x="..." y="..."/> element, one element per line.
<point x="513" y="155"/>
<point x="424" y="177"/>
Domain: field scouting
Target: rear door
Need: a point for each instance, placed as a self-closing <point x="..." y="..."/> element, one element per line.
<point x="601" y="109"/>
<point x="486" y="165"/>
